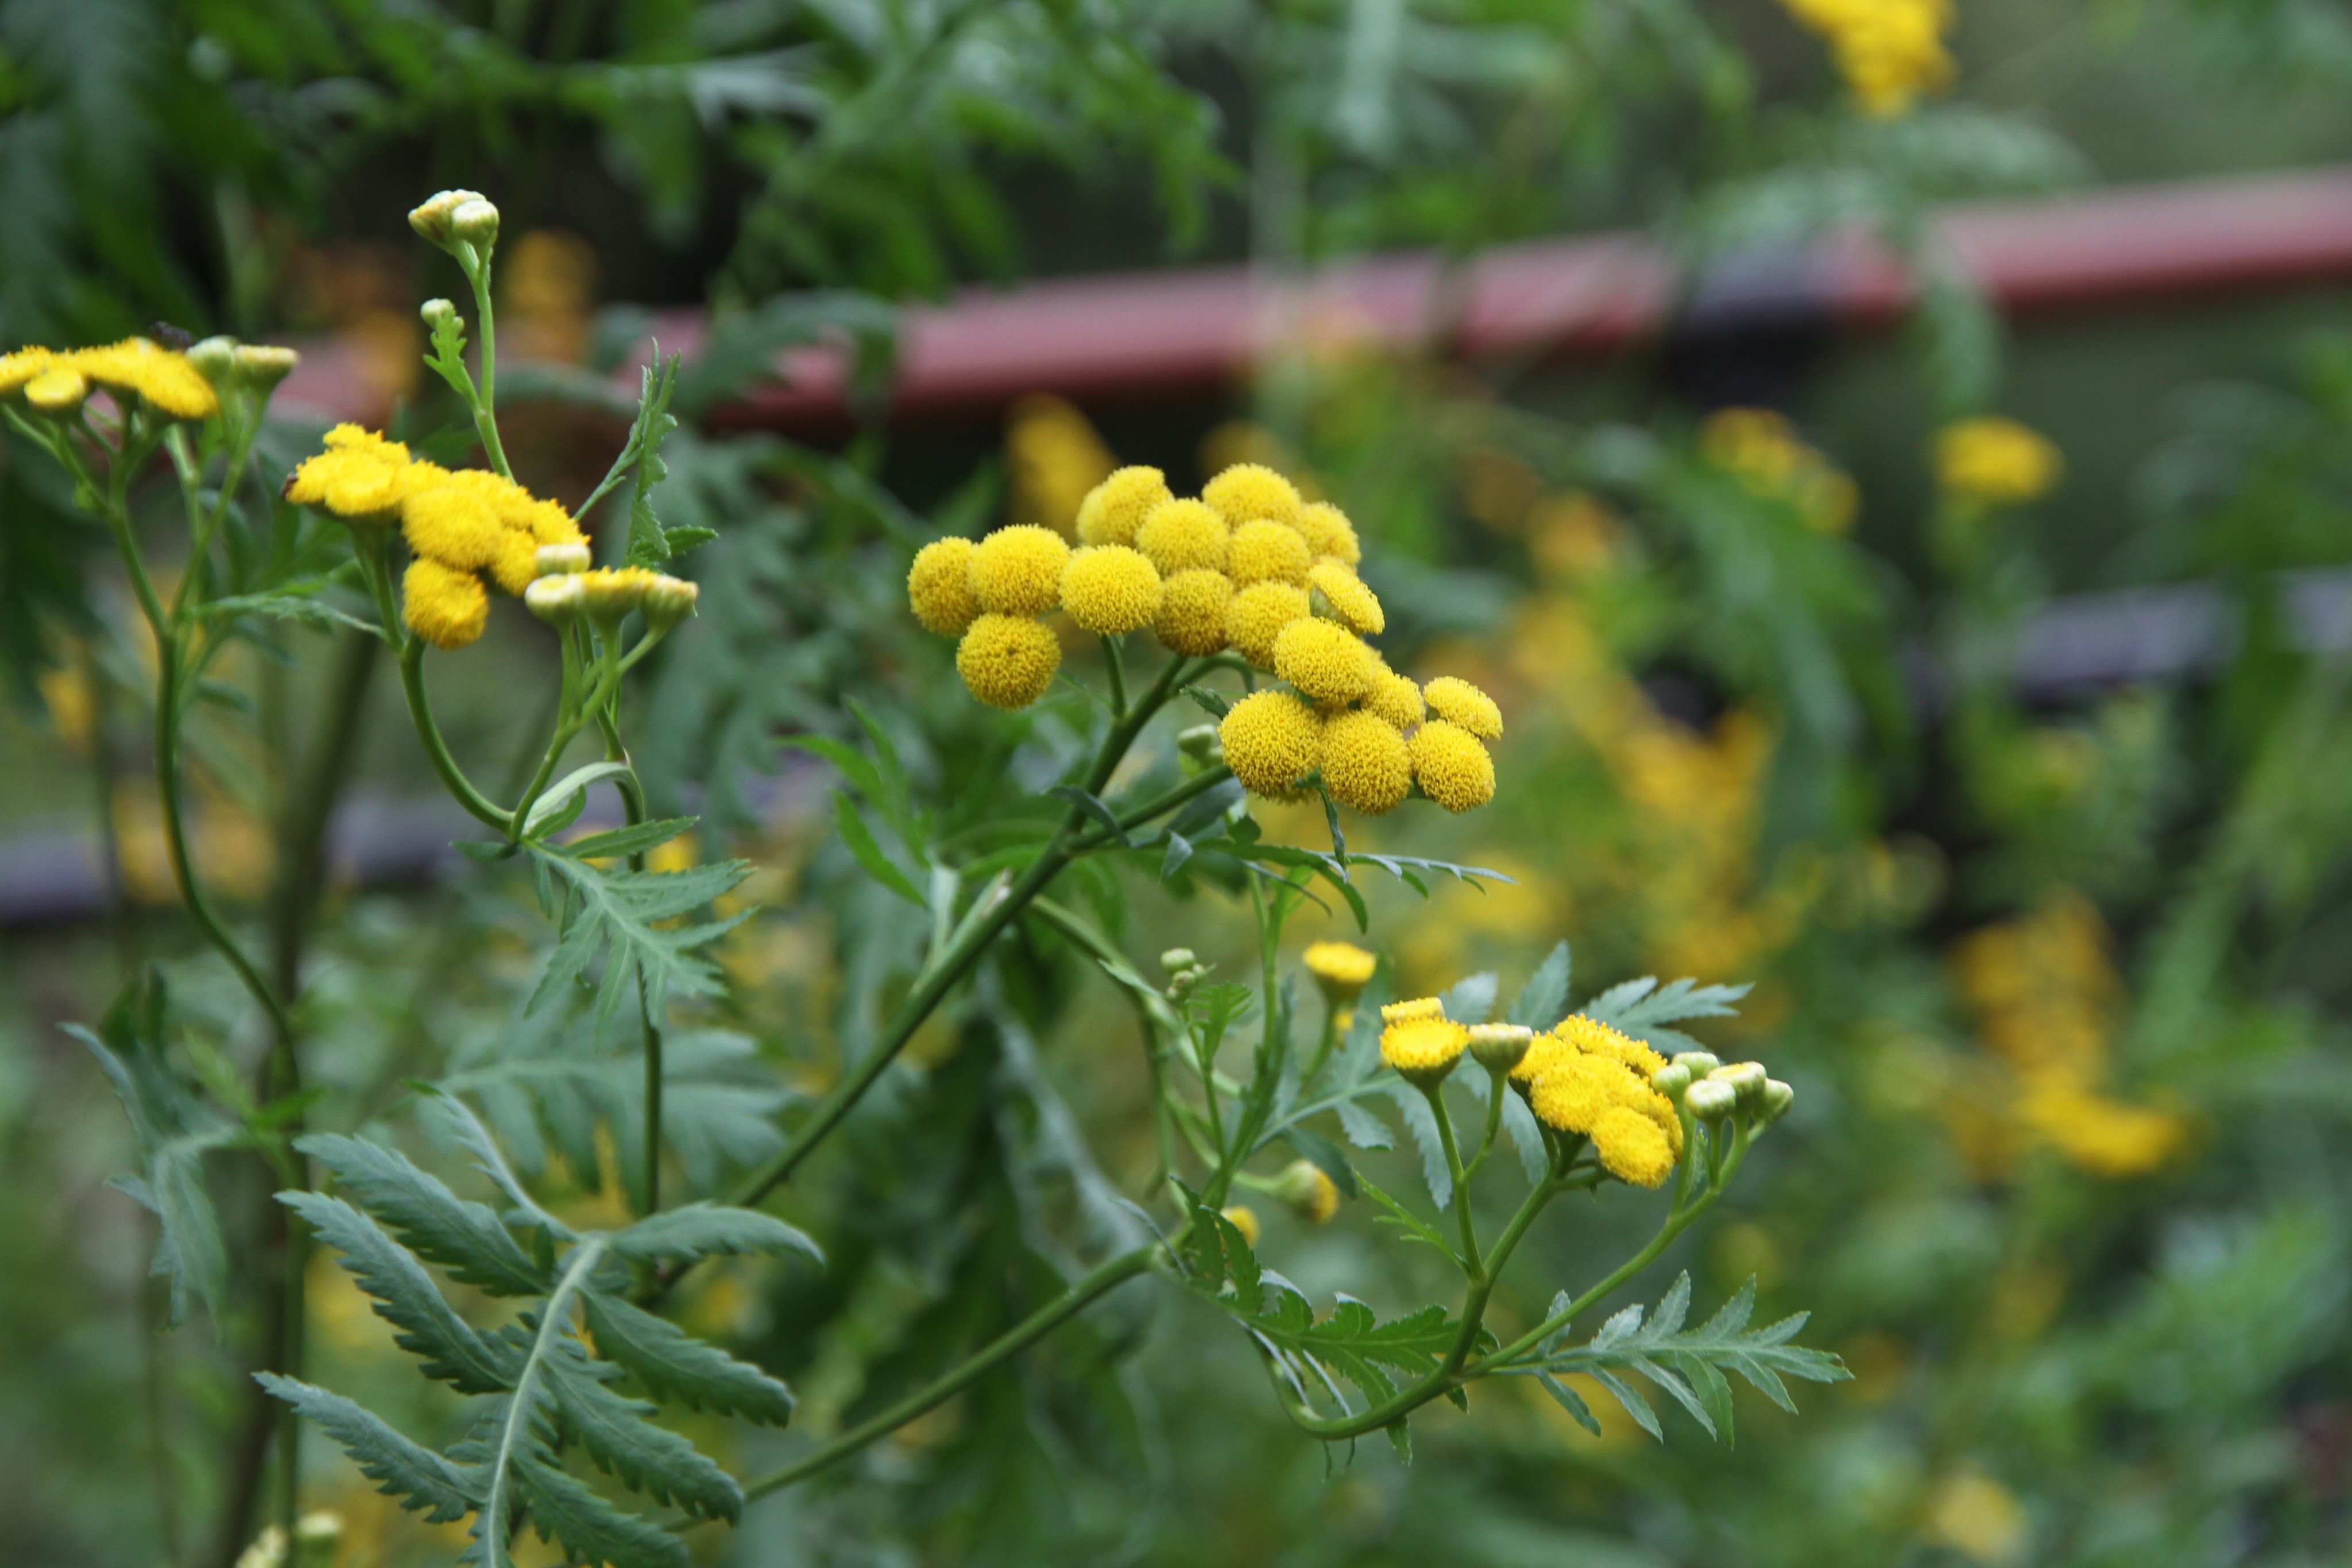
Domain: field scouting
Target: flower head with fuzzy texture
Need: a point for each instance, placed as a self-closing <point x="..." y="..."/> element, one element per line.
<point x="1265" y="552"/>
<point x="1247" y="492"/>
<point x="1272" y="740"/>
<point x="1018" y="571"/>
<point x="1115" y="508"/>
<point x="1181" y="536"/>
<point x="1366" y="765"/>
<point x="1007" y="661"/>
<point x="1456" y="701"/>
<point x="1259" y="614"/>
<point x="446" y="607"/>
<point x="1327" y="531"/>
<point x="1451" y="767"/>
<point x="1396" y="699"/>
<point x="938" y="586"/>
<point x="1111" y="590"/>
<point x="1422" y="1051"/>
<point x="1324" y="660"/>
<point x="1352" y="604"/>
<point x="1192" y="605"/>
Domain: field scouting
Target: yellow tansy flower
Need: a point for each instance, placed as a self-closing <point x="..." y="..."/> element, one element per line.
<point x="1324" y="660"/>
<point x="1327" y="531"/>
<point x="1267" y="552"/>
<point x="1247" y="492"/>
<point x="1008" y="662"/>
<point x="1451" y="767"/>
<point x="446" y="607"/>
<point x="1396" y="699"/>
<point x="1018" y="571"/>
<point x="1272" y="740"/>
<point x="1422" y="1051"/>
<point x="1631" y="1148"/>
<point x="1341" y="969"/>
<point x="1115" y="508"/>
<point x="1181" y="536"/>
<point x="1456" y="700"/>
<point x="1366" y="765"/>
<point x="1111" y="590"/>
<point x="938" y="586"/>
<point x="1356" y="607"/>
<point x="1192" y="605"/>
<point x="1258" y="614"/>
<point x="1997" y="462"/>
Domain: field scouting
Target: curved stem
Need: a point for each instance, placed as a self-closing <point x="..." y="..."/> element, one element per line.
<point x="999" y="1351"/>
<point x="436" y="750"/>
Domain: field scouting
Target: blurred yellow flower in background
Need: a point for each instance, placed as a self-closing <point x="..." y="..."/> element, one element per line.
<point x="1053" y="457"/>
<point x="1764" y="450"/>
<point x="1996" y="462"/>
<point x="1890" y="52"/>
<point x="1976" y="1516"/>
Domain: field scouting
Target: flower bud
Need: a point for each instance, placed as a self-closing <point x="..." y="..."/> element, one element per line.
<point x="58" y="392"/>
<point x="1200" y="747"/>
<point x="557" y="599"/>
<point x="475" y="223"/>
<point x="561" y="560"/>
<point x="1711" y="1099"/>
<point x="669" y="601"/>
<point x="431" y="219"/>
<point x="1341" y="970"/>
<point x="1499" y="1046"/>
<point x="263" y="365"/>
<point x="1671" y="1080"/>
<point x="1746" y="1078"/>
<point x="214" y="359"/>
<point x="609" y="594"/>
<point x="1700" y="1063"/>
<point x="317" y="1535"/>
<point x="1244" y="1219"/>
<point x="1774" y="1102"/>
<point x="1310" y="1194"/>
<point x="1177" y="958"/>
<point x="434" y="312"/>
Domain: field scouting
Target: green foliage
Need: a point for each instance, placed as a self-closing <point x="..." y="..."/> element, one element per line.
<point x="539" y="1388"/>
<point x="623" y="914"/>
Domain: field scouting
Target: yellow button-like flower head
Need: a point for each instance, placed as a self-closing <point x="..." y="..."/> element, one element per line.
<point x="1997" y="462"/>
<point x="1008" y="662"/>
<point x="1111" y="590"/>
<point x="59" y="389"/>
<point x="1192" y="605"/>
<point x="1632" y="1147"/>
<point x="1545" y="1053"/>
<point x="1423" y="1050"/>
<point x="1327" y="531"/>
<point x="1396" y="699"/>
<point x="22" y="365"/>
<point x="1593" y="1038"/>
<point x="1571" y="1092"/>
<point x="1247" y="492"/>
<point x="164" y="380"/>
<point x="516" y="565"/>
<point x="1272" y="740"/>
<point x="453" y="521"/>
<point x="1115" y="508"/>
<point x="1355" y="606"/>
<point x="1244" y="1218"/>
<point x="1264" y="551"/>
<point x="1451" y="767"/>
<point x="1366" y="766"/>
<point x="1414" y="1008"/>
<point x="1018" y="571"/>
<point x="445" y="606"/>
<point x="1179" y="536"/>
<point x="1341" y="969"/>
<point x="1259" y="615"/>
<point x="1310" y="1194"/>
<point x="1325" y="660"/>
<point x="939" y="586"/>
<point x="1456" y="700"/>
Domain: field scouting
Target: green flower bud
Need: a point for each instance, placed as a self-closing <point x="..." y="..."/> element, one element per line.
<point x="1775" y="1102"/>
<point x="1711" y="1099"/>
<point x="561" y="560"/>
<point x="262" y="366"/>
<point x="214" y="359"/>
<point x="1177" y="958"/>
<point x="669" y="601"/>
<point x="1671" y="1080"/>
<point x="431" y="219"/>
<point x="1309" y="1193"/>
<point x="435" y="311"/>
<point x="1499" y="1046"/>
<point x="1700" y="1063"/>
<point x="557" y="599"/>
<point x="1746" y="1078"/>
<point x="475" y="223"/>
<point x="1200" y="747"/>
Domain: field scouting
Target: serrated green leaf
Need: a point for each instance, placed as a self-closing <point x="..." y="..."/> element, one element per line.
<point x="619" y="1434"/>
<point x="1544" y="1001"/>
<point x="674" y="1365"/>
<point x="421" y="1479"/>
<point x="446" y="1347"/>
<point x="590" y="1530"/>
<point x="463" y="1237"/>
<point x="702" y="1229"/>
<point x="624" y="912"/>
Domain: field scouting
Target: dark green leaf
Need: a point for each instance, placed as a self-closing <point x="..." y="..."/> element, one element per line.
<point x="675" y="1364"/>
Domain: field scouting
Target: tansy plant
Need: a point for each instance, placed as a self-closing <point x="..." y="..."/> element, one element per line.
<point x="562" y="1357"/>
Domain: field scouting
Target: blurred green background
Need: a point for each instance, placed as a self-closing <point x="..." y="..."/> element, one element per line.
<point x="2056" y="969"/>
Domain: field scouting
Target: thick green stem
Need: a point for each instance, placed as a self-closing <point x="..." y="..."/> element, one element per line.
<point x="1118" y="676"/>
<point x="436" y="750"/>
<point x="999" y="1351"/>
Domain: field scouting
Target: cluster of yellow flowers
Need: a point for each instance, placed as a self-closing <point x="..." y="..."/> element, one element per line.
<point x="459" y="523"/>
<point x="1996" y="462"/>
<point x="1584" y="1078"/>
<point x="1250" y="566"/>
<point x="2044" y="992"/>
<point x="56" y="381"/>
<point x="1890" y="52"/>
<point x="1765" y="450"/>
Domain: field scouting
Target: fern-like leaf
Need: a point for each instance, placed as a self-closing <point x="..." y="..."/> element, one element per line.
<point x="405" y="1297"/>
<point x="463" y="1237"/>
<point x="702" y="1229"/>
<point x="675" y="1364"/>
<point x="419" y="1478"/>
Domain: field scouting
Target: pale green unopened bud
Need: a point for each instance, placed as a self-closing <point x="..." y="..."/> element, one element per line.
<point x="1177" y="958"/>
<point x="214" y="359"/>
<point x="1313" y="1195"/>
<point x="1499" y="1046"/>
<point x="1200" y="747"/>
<point x="1671" y="1080"/>
<point x="669" y="601"/>
<point x="557" y="599"/>
<point x="263" y="365"/>
<point x="431" y="218"/>
<point x="561" y="560"/>
<point x="1700" y="1063"/>
<point x="475" y="223"/>
<point x="1746" y="1078"/>
<point x="1711" y="1099"/>
<point x="437" y="311"/>
<point x="1775" y="1102"/>
<point x="319" y="1524"/>
<point x="609" y="595"/>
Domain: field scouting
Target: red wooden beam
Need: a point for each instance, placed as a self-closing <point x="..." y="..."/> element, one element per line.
<point x="1199" y="328"/>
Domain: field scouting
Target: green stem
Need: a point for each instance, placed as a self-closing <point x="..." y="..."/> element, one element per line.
<point x="999" y="1351"/>
<point x="1498" y="1085"/>
<point x="436" y="750"/>
<point x="1471" y="1264"/>
<point x="486" y="407"/>
<point x="1158" y="805"/>
<point x="951" y="966"/>
<point x="1118" y="676"/>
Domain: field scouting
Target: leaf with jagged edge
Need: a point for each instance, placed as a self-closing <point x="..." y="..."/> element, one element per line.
<point x="1642" y="1010"/>
<point x="619" y="1434"/>
<point x="419" y="1478"/>
<point x="1544" y="999"/>
<point x="1689" y="1365"/>
<point x="623" y="914"/>
<point x="676" y="1365"/>
<point x="463" y="1237"/>
<point x="590" y="1530"/>
<point x="701" y="1229"/>
<point x="446" y="1346"/>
